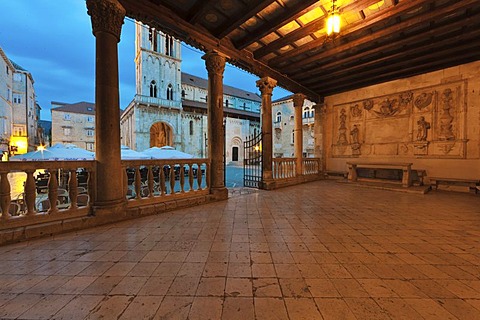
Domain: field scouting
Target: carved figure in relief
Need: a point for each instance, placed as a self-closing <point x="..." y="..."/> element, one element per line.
<point x="388" y="108"/>
<point x="406" y="98"/>
<point x="423" y="100"/>
<point x="356" y="111"/>
<point x="446" y="119"/>
<point x="342" y="130"/>
<point x="422" y="129"/>
<point x="354" y="134"/>
<point x="368" y="105"/>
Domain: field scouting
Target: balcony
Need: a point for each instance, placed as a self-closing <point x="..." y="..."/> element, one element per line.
<point x="308" y="121"/>
<point x="152" y="101"/>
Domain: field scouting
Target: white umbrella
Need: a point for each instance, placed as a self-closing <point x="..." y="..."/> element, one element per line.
<point x="58" y="152"/>
<point x="166" y="152"/>
<point x="129" y="154"/>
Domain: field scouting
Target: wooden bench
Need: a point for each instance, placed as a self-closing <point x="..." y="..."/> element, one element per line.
<point x="473" y="184"/>
<point x="406" y="168"/>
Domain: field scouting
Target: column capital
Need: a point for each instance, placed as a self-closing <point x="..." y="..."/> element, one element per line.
<point x="319" y="107"/>
<point x="215" y="62"/>
<point x="298" y="99"/>
<point x="266" y="85"/>
<point x="107" y="16"/>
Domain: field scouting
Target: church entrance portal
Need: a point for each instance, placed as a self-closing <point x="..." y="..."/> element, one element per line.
<point x="161" y="134"/>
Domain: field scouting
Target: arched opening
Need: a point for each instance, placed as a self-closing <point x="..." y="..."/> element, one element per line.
<point x="153" y="89"/>
<point x="234" y="153"/>
<point x="169" y="92"/>
<point x="278" y="117"/>
<point x="191" y="127"/>
<point x="161" y="134"/>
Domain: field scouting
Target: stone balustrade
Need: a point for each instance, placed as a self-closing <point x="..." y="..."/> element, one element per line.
<point x="151" y="181"/>
<point x="284" y="168"/>
<point x="311" y="166"/>
<point x="62" y="194"/>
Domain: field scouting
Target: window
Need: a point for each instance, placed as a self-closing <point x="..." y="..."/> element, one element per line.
<point x="293" y="137"/>
<point x="169" y="45"/>
<point x="169" y="92"/>
<point x="191" y="127"/>
<point x="89" y="146"/>
<point x="67" y="117"/>
<point x="89" y="119"/>
<point x="183" y="94"/>
<point x="226" y="103"/>
<point x="153" y="89"/>
<point x="90" y="133"/>
<point x="312" y="113"/>
<point x="234" y="153"/>
<point x="8" y="94"/>
<point x="152" y="37"/>
<point x="19" y="131"/>
<point x="244" y="106"/>
<point x="67" y="131"/>
<point x="278" y="117"/>
<point x="8" y="71"/>
<point x="306" y="112"/>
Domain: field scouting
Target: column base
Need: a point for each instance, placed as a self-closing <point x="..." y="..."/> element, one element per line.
<point x="105" y="209"/>
<point x="268" y="184"/>
<point x="217" y="194"/>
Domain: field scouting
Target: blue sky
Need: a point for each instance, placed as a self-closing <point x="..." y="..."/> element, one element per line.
<point x="53" y="40"/>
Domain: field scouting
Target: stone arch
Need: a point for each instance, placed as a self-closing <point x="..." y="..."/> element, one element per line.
<point x="236" y="149"/>
<point x="161" y="134"/>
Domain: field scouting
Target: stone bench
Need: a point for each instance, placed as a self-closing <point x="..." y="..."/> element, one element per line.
<point x="473" y="184"/>
<point x="406" y="168"/>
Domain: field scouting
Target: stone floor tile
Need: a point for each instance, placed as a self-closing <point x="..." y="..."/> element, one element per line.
<point x="206" y="308"/>
<point x="239" y="270"/>
<point x="215" y="269"/>
<point x="238" y="308"/>
<point x="75" y="285"/>
<point x="167" y="269"/>
<point x="49" y="284"/>
<point x="366" y="308"/>
<point x="174" y="307"/>
<point x="238" y="287"/>
<point x="110" y="308"/>
<point x="335" y="271"/>
<point x="120" y="269"/>
<point x="270" y="309"/>
<point x="184" y="286"/>
<point x="79" y="307"/>
<point x="334" y="309"/>
<point x="266" y="287"/>
<point x="142" y="307"/>
<point x="96" y="268"/>
<point x="322" y="288"/>
<point x="47" y="307"/>
<point x="18" y="305"/>
<point x="102" y="285"/>
<point x="302" y="309"/>
<point x="397" y="308"/>
<point x="377" y="288"/>
<point x="459" y="308"/>
<point x="156" y="286"/>
<point x="129" y="286"/>
<point x="294" y="287"/>
<point x="287" y="270"/>
<point x="261" y="257"/>
<point x="21" y="285"/>
<point x="433" y="289"/>
<point x="349" y="288"/>
<point x="263" y="270"/>
<point x="429" y="309"/>
<point x="211" y="287"/>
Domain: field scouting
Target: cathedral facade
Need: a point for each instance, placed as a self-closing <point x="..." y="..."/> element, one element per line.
<point x="169" y="107"/>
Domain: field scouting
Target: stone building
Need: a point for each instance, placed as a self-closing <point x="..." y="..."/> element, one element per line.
<point x="283" y="115"/>
<point x="18" y="108"/>
<point x="170" y="108"/>
<point x="73" y="123"/>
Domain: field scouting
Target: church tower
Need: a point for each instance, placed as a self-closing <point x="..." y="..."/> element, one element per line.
<point x="158" y="64"/>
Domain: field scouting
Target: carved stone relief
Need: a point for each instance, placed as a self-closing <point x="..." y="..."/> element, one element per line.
<point x="356" y="111"/>
<point x="423" y="100"/>
<point x="446" y="119"/>
<point x="342" y="130"/>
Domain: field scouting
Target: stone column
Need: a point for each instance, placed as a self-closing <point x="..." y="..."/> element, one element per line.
<point x="318" y="134"/>
<point x="215" y="63"/>
<point x="298" y="100"/>
<point x="107" y="19"/>
<point x="266" y="85"/>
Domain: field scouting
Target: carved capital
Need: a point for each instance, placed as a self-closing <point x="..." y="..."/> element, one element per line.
<point x="107" y="16"/>
<point x="298" y="99"/>
<point x="266" y="85"/>
<point x="215" y="63"/>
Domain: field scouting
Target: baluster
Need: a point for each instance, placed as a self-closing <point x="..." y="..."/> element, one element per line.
<point x="5" y="195"/>
<point x="150" y="181"/>
<point x="53" y="191"/>
<point x="190" y="176"/>
<point x="199" y="176"/>
<point x="30" y="195"/>
<point x="125" y="181"/>
<point x="138" y="183"/>
<point x="162" y="180"/>
<point x="182" y="178"/>
<point x="91" y="185"/>
<point x="172" y="179"/>
<point x="72" y="188"/>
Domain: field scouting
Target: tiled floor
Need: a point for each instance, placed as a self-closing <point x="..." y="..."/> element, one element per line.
<point x="321" y="250"/>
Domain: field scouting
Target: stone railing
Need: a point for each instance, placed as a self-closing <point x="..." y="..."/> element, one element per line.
<point x="284" y="168"/>
<point x="34" y="192"/>
<point x="158" y="101"/>
<point x="154" y="181"/>
<point x="311" y="166"/>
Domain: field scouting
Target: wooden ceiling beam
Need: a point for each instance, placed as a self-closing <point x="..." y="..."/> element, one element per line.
<point x="198" y="10"/>
<point x="161" y="17"/>
<point x="309" y="28"/>
<point x="405" y="55"/>
<point x="230" y="26"/>
<point x="385" y="47"/>
<point x="397" y="29"/>
<point x="420" y="63"/>
<point x="288" y="15"/>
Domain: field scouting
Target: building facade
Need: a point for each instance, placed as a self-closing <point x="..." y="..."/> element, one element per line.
<point x="170" y="108"/>
<point x="73" y="123"/>
<point x="283" y="115"/>
<point x="18" y="108"/>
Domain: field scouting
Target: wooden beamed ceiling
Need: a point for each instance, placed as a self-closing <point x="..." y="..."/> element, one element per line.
<point x="380" y="40"/>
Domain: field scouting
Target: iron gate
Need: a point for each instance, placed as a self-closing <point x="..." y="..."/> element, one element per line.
<point x="252" y="162"/>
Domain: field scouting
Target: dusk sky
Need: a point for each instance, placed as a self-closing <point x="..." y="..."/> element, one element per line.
<point x="53" y="40"/>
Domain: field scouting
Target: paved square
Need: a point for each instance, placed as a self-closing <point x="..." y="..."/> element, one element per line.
<point x="321" y="250"/>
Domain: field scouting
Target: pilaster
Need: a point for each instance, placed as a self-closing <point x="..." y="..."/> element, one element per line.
<point x="298" y="100"/>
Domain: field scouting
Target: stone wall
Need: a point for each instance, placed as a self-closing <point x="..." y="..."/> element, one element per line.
<point x="432" y="120"/>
